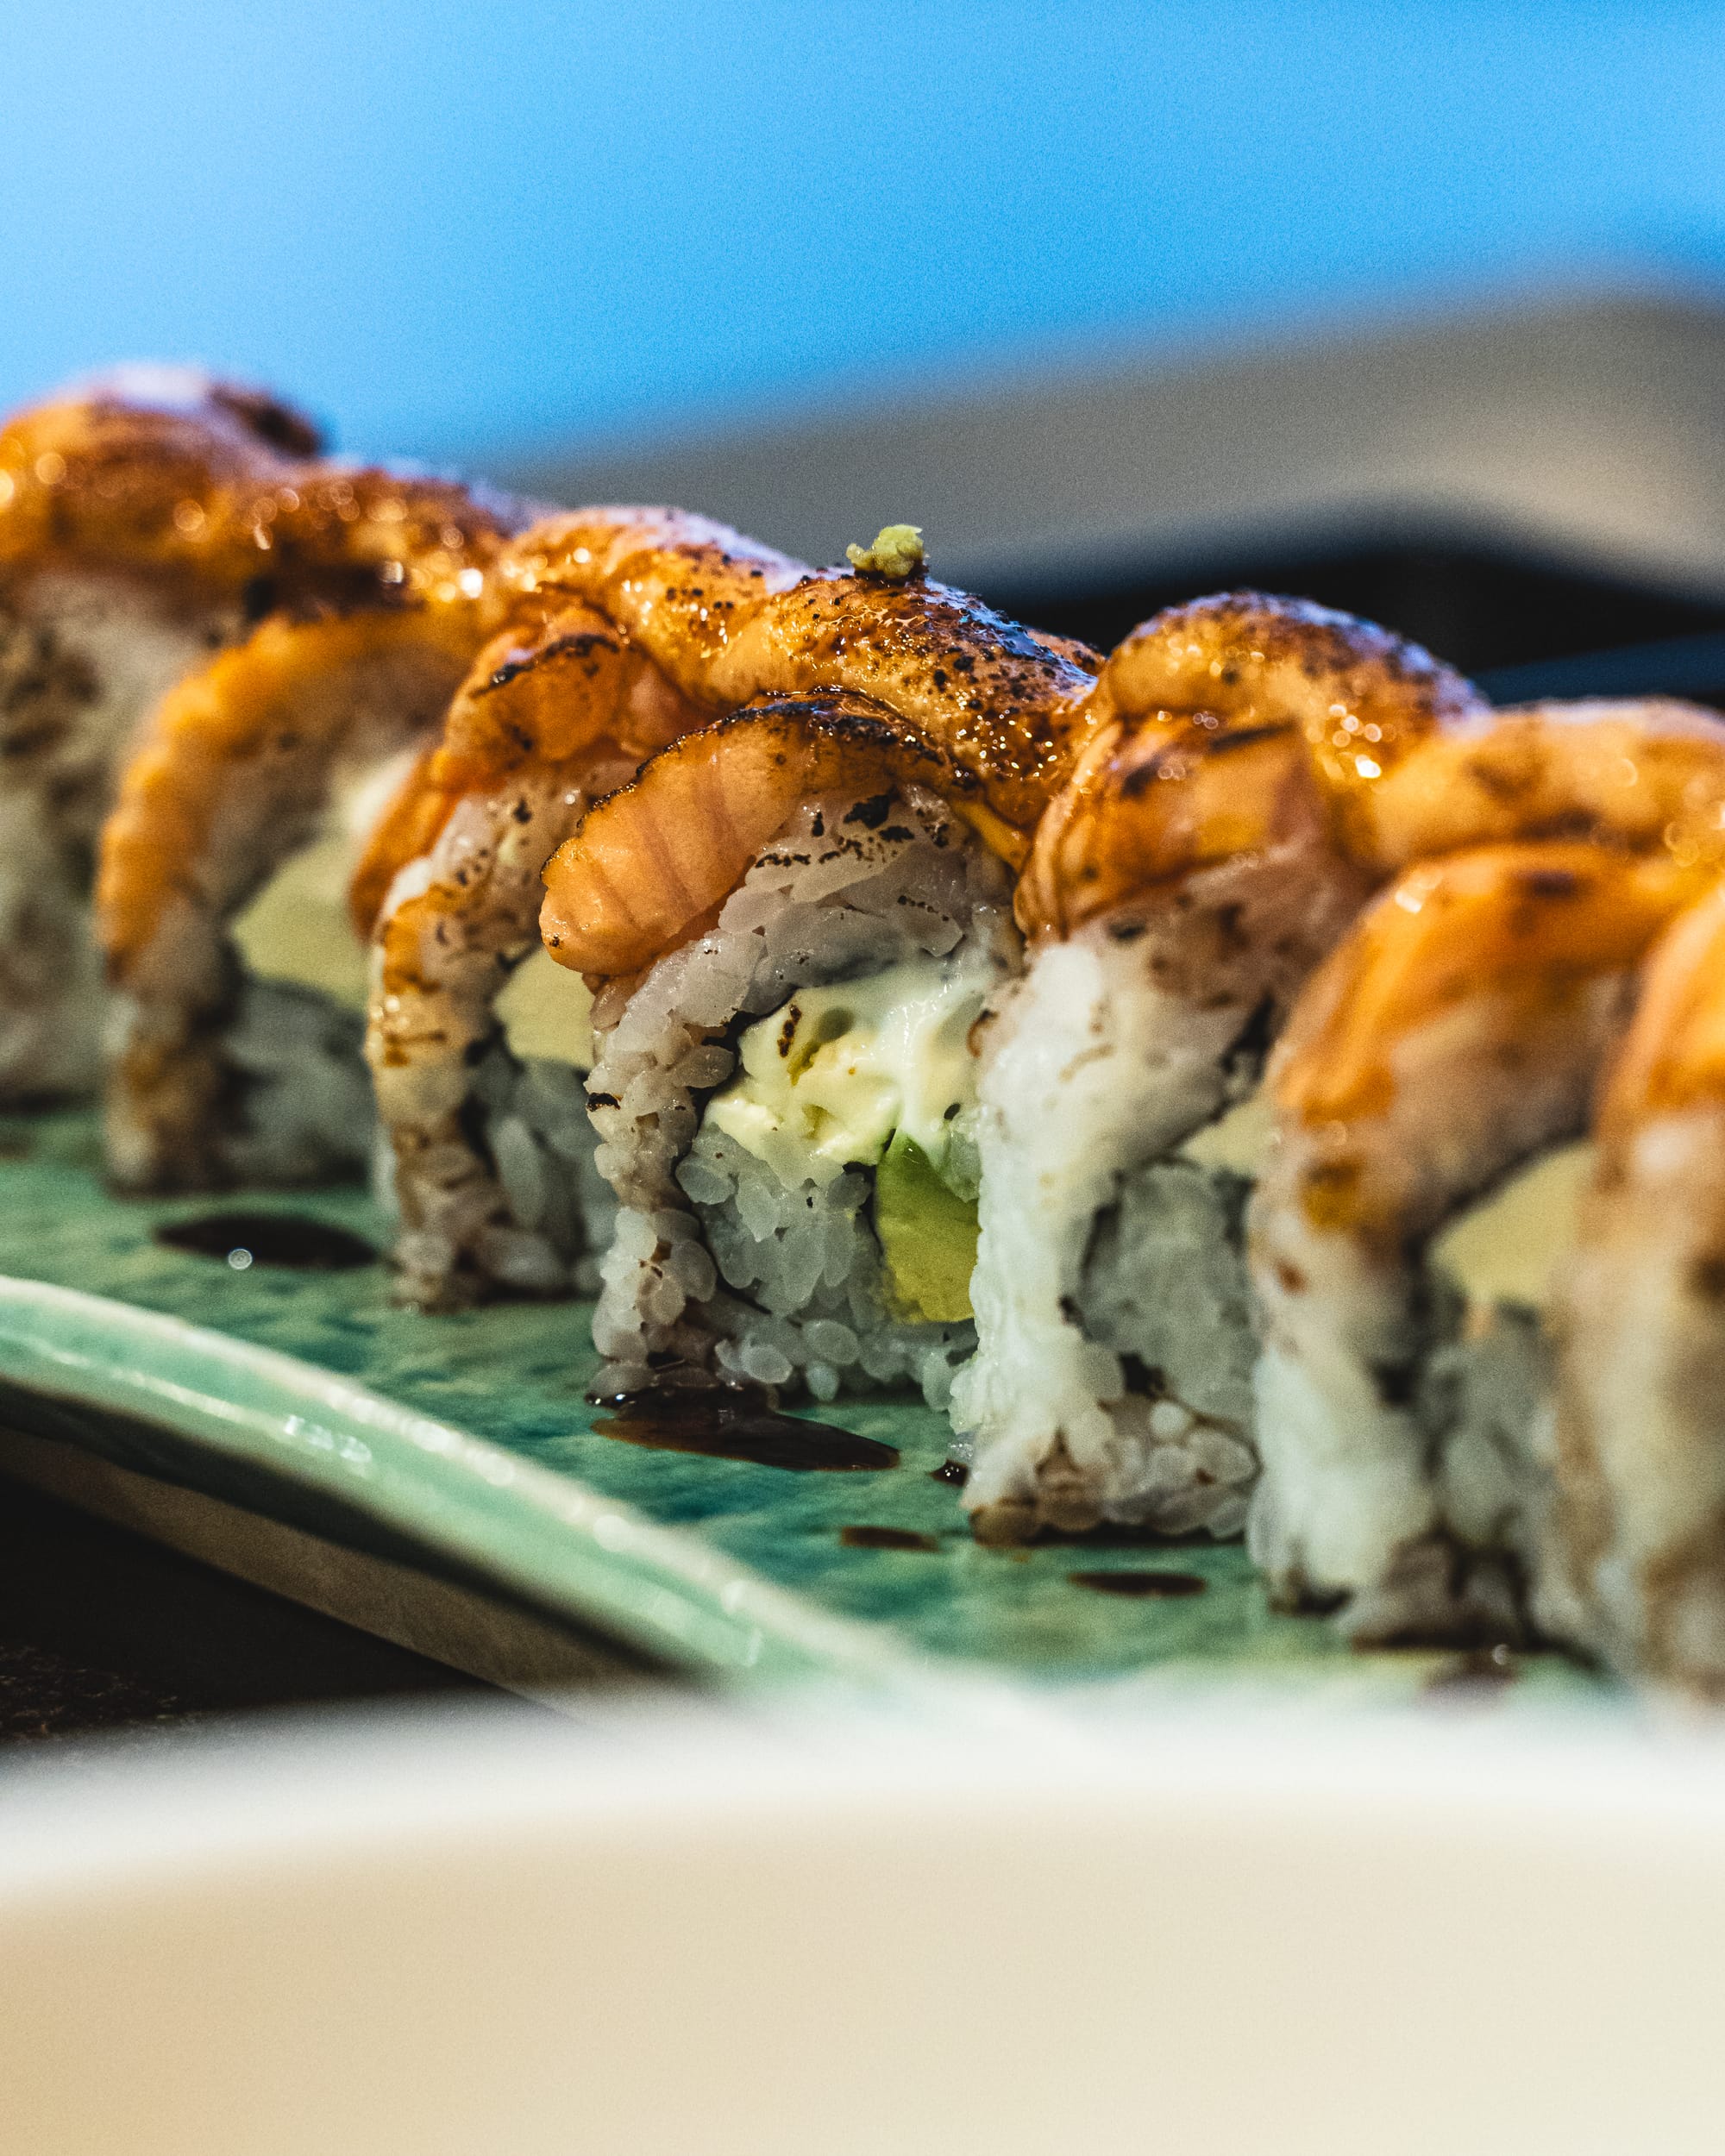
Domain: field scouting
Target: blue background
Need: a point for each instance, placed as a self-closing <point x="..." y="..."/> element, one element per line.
<point x="451" y="228"/>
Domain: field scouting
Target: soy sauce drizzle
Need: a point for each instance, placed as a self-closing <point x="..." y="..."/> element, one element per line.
<point x="1141" y="1586"/>
<point x="246" y="1239"/>
<point x="738" y="1425"/>
<point x="886" y="1538"/>
<point x="953" y="1471"/>
<point x="1479" y="1669"/>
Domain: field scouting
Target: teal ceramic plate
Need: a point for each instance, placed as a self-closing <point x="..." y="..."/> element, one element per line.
<point x="464" y="1444"/>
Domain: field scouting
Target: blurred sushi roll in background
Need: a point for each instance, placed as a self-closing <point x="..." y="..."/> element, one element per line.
<point x="234" y="1032"/>
<point x="1198" y="862"/>
<point x="127" y="557"/>
<point x="1634" y="1549"/>
<point x="1416" y="1468"/>
<point x="797" y="919"/>
<point x="478" y="1044"/>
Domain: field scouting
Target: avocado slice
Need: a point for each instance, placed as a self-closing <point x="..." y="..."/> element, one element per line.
<point x="927" y="1236"/>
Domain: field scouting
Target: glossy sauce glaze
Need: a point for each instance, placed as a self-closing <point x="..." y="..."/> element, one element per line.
<point x="170" y="474"/>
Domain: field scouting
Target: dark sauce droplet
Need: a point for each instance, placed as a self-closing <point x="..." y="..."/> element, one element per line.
<point x="246" y="1239"/>
<point x="1162" y="1587"/>
<point x="1114" y="1534"/>
<point x="738" y="1425"/>
<point x="1482" y="1669"/>
<point x="886" y="1538"/>
<point x="953" y="1471"/>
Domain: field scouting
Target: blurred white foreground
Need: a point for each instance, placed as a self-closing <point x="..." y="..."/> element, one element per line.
<point x="1227" y="1927"/>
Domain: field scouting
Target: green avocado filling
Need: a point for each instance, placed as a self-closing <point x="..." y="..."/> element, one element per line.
<point x="927" y="1235"/>
<point x="877" y="1073"/>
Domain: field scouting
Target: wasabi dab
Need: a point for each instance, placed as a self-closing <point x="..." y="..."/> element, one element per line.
<point x="897" y="553"/>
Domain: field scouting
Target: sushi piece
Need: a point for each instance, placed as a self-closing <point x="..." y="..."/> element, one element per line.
<point x="793" y="920"/>
<point x="615" y="620"/>
<point x="1428" y="1075"/>
<point x="1635" y="1558"/>
<point x="1216" y="837"/>
<point x="125" y="559"/>
<point x="234" y="1055"/>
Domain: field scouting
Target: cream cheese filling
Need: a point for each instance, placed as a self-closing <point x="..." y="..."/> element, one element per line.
<point x="546" y="1012"/>
<point x="833" y="1076"/>
<point x="1238" y="1140"/>
<point x="297" y="929"/>
<point x="1510" y="1245"/>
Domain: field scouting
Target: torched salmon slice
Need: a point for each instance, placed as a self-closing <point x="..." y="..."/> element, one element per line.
<point x="846" y="679"/>
<point x="657" y="857"/>
<point x="161" y="473"/>
<point x="1222" y="726"/>
<point x="1526" y="926"/>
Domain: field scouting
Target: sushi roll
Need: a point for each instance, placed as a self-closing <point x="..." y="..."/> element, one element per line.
<point x="125" y="560"/>
<point x="234" y="1048"/>
<point x="616" y="618"/>
<point x="1215" y="839"/>
<point x="1635" y="1557"/>
<point x="793" y="920"/>
<point x="1428" y="1076"/>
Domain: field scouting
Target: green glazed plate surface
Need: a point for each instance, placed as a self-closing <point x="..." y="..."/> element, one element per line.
<point x="466" y="1444"/>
